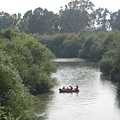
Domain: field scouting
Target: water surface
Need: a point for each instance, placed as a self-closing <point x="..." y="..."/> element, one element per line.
<point x="98" y="98"/>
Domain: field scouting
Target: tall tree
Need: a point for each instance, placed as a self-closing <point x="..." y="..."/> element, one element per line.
<point x="115" y="20"/>
<point x="14" y="20"/>
<point x="4" y="18"/>
<point x="42" y="21"/>
<point x="101" y="17"/>
<point x="76" y="15"/>
<point x="14" y="96"/>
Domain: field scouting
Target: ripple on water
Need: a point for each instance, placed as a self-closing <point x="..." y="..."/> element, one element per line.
<point x="95" y="101"/>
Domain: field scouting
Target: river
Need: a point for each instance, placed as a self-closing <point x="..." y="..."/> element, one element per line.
<point x="98" y="98"/>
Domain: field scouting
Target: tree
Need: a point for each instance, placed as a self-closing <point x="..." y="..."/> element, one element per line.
<point x="76" y="16"/>
<point x="25" y="66"/>
<point x="101" y="17"/>
<point x="26" y="52"/>
<point x="4" y="18"/>
<point x="14" y="95"/>
<point x="87" y="47"/>
<point x="71" y="46"/>
<point x="14" y="20"/>
<point x="115" y="20"/>
<point x="42" y="21"/>
<point x="109" y="64"/>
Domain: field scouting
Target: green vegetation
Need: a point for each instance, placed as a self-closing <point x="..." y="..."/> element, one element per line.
<point x="110" y="62"/>
<point x="102" y="47"/>
<point x="78" y="30"/>
<point x="25" y="67"/>
<point x="75" y="16"/>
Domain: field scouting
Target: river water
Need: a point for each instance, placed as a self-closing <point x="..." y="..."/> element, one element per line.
<point x="98" y="98"/>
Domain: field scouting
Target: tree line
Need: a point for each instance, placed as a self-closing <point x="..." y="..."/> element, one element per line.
<point x="75" y="16"/>
<point x="25" y="70"/>
<point x="102" y="47"/>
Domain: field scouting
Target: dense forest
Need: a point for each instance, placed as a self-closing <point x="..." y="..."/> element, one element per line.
<point x="29" y="43"/>
<point x="25" y="70"/>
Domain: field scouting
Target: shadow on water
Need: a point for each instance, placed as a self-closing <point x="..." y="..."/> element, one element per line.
<point x="116" y="88"/>
<point x="118" y="94"/>
<point x="41" y="106"/>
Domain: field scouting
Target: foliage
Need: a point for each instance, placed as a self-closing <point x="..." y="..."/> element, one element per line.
<point x="41" y="21"/>
<point x="111" y="59"/>
<point x="71" y="46"/>
<point x="14" y="95"/>
<point x="74" y="45"/>
<point x="27" y="52"/>
<point x="25" y="66"/>
<point x="101" y="19"/>
<point x="103" y="47"/>
<point x="75" y="16"/>
<point x="115" y="20"/>
<point x="54" y="43"/>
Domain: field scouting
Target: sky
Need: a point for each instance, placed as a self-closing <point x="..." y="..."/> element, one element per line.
<point x="22" y="6"/>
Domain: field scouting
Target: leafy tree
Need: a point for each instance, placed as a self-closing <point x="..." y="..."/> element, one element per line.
<point x="27" y="52"/>
<point x="42" y="21"/>
<point x="71" y="46"/>
<point x="82" y="5"/>
<point x="96" y="51"/>
<point x="25" y="65"/>
<point x="106" y="65"/>
<point x="75" y="16"/>
<point x="16" y="21"/>
<point x="4" y="18"/>
<point x="9" y="33"/>
<point x="115" y="72"/>
<point x="109" y="64"/>
<point x="23" y="25"/>
<point x="115" y="20"/>
<point x="101" y="17"/>
<point x="14" y="95"/>
<point x="86" y="48"/>
<point x="42" y="63"/>
<point x="54" y="43"/>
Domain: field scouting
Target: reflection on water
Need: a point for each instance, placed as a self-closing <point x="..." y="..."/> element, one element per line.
<point x="97" y="99"/>
<point x="41" y="107"/>
<point x="118" y="95"/>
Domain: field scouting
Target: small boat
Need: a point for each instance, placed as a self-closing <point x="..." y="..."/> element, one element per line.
<point x="68" y="90"/>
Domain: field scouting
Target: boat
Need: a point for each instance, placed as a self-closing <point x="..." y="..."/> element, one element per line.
<point x="67" y="90"/>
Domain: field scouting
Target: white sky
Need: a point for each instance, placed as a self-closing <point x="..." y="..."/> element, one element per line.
<point x="22" y="6"/>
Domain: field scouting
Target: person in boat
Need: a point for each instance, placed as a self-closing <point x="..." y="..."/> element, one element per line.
<point x="76" y="87"/>
<point x="63" y="88"/>
<point x="67" y="88"/>
<point x="71" y="87"/>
